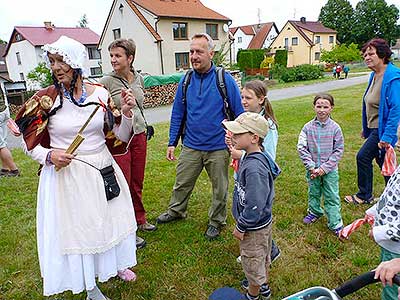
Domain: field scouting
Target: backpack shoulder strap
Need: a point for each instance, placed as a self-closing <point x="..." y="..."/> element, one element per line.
<point x="185" y="85"/>
<point x="224" y="94"/>
<point x="221" y="82"/>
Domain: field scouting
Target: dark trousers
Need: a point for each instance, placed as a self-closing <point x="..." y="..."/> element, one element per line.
<point x="367" y="153"/>
<point x="132" y="165"/>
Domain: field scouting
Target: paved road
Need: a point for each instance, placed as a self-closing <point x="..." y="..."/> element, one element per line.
<point x="163" y="113"/>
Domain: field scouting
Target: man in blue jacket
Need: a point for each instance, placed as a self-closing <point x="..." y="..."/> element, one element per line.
<point x="198" y="120"/>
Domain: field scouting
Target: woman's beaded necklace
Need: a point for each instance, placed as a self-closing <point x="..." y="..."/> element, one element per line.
<point x="68" y="96"/>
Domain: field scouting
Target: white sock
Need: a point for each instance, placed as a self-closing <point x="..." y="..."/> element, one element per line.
<point x="96" y="294"/>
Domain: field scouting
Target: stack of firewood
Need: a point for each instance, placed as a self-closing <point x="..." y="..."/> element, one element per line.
<point x="160" y="95"/>
<point x="14" y="109"/>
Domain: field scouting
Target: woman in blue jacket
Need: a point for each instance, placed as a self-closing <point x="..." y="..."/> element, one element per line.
<point x="380" y="116"/>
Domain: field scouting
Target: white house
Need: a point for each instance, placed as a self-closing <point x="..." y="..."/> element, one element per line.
<point x="396" y="50"/>
<point x="24" y="53"/>
<point x="257" y="36"/>
<point x="162" y="30"/>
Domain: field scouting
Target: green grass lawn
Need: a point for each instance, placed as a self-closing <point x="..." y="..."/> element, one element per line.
<point x="178" y="263"/>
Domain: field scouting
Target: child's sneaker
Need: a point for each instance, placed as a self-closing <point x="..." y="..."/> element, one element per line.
<point x="275" y="252"/>
<point x="310" y="218"/>
<point x="265" y="291"/>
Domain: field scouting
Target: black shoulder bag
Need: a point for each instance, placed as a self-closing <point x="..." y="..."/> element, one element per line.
<point x="111" y="185"/>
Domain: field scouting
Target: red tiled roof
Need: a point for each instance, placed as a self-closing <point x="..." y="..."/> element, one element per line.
<point x="188" y="9"/>
<point x="233" y="30"/>
<point x="258" y="40"/>
<point x="310" y="42"/>
<point x="144" y="21"/>
<point x="249" y="29"/>
<point x="313" y="26"/>
<point x="3" y="67"/>
<point x="39" y="36"/>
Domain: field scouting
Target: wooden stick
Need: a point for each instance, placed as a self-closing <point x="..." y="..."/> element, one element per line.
<point x="79" y="137"/>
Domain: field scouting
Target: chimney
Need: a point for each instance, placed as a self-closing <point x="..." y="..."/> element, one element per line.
<point x="48" y="25"/>
<point x="303" y="20"/>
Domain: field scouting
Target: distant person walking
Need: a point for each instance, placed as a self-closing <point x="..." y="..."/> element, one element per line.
<point x="8" y="166"/>
<point x="346" y="70"/>
<point x="338" y="71"/>
<point x="380" y="116"/>
<point x="197" y="118"/>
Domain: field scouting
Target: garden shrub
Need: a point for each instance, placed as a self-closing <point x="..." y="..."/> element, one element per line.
<point x="302" y="72"/>
<point x="250" y="59"/>
<point x="281" y="57"/>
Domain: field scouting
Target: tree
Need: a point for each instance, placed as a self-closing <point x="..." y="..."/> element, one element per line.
<point x="338" y="15"/>
<point x="374" y="18"/>
<point x="83" y="22"/>
<point x="2" y="41"/>
<point x="41" y="74"/>
<point x="342" y="53"/>
<point x="219" y="58"/>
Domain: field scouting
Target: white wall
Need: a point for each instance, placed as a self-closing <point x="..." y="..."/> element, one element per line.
<point x="147" y="56"/>
<point x="236" y="46"/>
<point x="270" y="37"/>
<point x="29" y="60"/>
<point x="171" y="46"/>
<point x="148" y="52"/>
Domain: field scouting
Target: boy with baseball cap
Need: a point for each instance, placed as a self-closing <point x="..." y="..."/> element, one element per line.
<point x="252" y="201"/>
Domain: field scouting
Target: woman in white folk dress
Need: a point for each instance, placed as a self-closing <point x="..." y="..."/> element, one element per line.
<point x="82" y="234"/>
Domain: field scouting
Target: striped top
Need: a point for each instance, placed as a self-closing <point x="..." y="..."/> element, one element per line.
<point x="321" y="145"/>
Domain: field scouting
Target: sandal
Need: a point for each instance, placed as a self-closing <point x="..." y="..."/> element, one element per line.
<point x="353" y="199"/>
<point x="127" y="275"/>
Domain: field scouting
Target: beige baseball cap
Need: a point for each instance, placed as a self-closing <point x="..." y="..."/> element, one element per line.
<point x="248" y="122"/>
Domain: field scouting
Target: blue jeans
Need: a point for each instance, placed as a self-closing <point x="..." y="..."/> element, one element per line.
<point x="367" y="153"/>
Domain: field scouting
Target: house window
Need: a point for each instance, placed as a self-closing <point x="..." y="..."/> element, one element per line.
<point x="96" y="71"/>
<point x="331" y="39"/>
<point x="94" y="53"/>
<point x="212" y="30"/>
<point x="286" y="43"/>
<point x="182" y="60"/>
<point x="18" y="58"/>
<point x="317" y="39"/>
<point x="18" y="37"/>
<point x="295" y="41"/>
<point x="21" y="76"/>
<point x="239" y="39"/>
<point x="117" y="33"/>
<point x="317" y="55"/>
<point x="180" y="31"/>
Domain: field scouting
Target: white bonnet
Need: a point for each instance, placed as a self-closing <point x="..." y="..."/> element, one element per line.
<point x="73" y="52"/>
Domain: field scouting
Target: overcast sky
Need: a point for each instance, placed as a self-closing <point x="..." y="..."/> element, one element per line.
<point x="68" y="12"/>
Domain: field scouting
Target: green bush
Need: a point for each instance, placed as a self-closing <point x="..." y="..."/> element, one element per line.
<point x="277" y="70"/>
<point x="302" y="72"/>
<point x="250" y="59"/>
<point x="281" y="57"/>
<point x="342" y="53"/>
